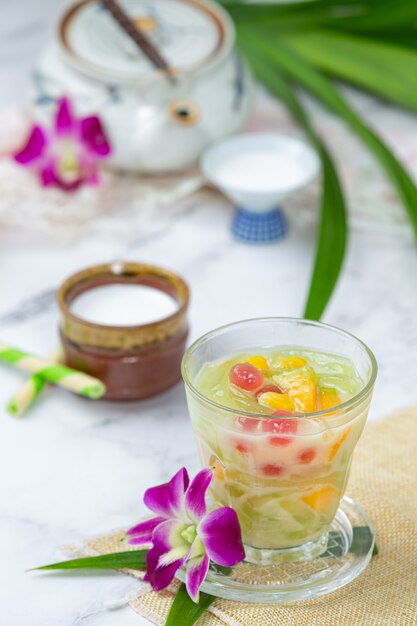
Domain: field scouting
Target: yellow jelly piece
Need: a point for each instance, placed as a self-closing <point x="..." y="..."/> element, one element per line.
<point x="258" y="361"/>
<point x="336" y="446"/>
<point x="276" y="401"/>
<point x="218" y="470"/>
<point x="322" y="499"/>
<point x="328" y="398"/>
<point x="292" y="362"/>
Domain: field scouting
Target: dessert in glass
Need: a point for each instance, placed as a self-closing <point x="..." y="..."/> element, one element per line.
<point x="277" y="406"/>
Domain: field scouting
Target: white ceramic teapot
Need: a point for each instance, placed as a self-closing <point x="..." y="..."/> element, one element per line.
<point x="153" y="125"/>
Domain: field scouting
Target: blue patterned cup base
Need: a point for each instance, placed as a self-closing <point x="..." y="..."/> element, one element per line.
<point x="259" y="228"/>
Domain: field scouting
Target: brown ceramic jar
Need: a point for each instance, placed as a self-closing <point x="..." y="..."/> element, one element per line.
<point x="134" y="362"/>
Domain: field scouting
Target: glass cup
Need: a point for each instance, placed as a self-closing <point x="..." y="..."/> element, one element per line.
<point x="284" y="505"/>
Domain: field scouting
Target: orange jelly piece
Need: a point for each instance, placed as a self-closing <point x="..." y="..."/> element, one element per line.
<point x="328" y="398"/>
<point x="322" y="499"/>
<point x="336" y="446"/>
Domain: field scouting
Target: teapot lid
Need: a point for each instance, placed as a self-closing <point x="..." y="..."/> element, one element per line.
<point x="190" y="34"/>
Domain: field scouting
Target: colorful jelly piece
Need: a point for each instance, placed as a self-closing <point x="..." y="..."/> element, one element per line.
<point x="259" y="362"/>
<point x="248" y="423"/>
<point x="218" y="471"/>
<point x="328" y="398"/>
<point x="241" y="446"/>
<point x="247" y="377"/>
<point x="301" y="387"/>
<point x="307" y="456"/>
<point x="290" y="363"/>
<point x="337" y="444"/>
<point x="277" y="401"/>
<point x="321" y="499"/>
<point x="271" y="469"/>
<point x="273" y="388"/>
<point x="281" y="427"/>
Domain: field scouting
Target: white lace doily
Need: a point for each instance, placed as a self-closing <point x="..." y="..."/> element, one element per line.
<point x="122" y="204"/>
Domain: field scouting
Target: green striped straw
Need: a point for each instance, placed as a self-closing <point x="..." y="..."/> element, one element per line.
<point x="60" y="375"/>
<point x="30" y="390"/>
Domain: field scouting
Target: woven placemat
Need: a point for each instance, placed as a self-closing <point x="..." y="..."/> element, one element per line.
<point x="384" y="482"/>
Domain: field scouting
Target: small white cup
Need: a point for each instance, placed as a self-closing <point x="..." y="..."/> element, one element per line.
<point x="255" y="190"/>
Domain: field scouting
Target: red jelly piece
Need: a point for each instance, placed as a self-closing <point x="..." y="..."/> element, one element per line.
<point x="248" y="423"/>
<point x="306" y="456"/>
<point x="278" y="424"/>
<point x="241" y="446"/>
<point x="273" y="388"/>
<point x="272" y="470"/>
<point x="246" y="377"/>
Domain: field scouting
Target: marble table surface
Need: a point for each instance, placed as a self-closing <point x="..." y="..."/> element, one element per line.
<point x="72" y="469"/>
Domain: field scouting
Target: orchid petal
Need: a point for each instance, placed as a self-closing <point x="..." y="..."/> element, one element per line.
<point x="160" y="577"/>
<point x="168" y="499"/>
<point x="180" y="552"/>
<point x="64" y="122"/>
<point x="93" y="177"/>
<point x="195" y="497"/>
<point x="197" y="548"/>
<point x="220" y="533"/>
<point x="34" y="147"/>
<point x="48" y="176"/>
<point x="195" y="575"/>
<point x="72" y="186"/>
<point x="94" y="137"/>
<point x="167" y="535"/>
<point x="167" y="555"/>
<point x="88" y="168"/>
<point x="142" y="532"/>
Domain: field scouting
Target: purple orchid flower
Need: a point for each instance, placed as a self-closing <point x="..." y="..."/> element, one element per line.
<point x="183" y="532"/>
<point x="67" y="155"/>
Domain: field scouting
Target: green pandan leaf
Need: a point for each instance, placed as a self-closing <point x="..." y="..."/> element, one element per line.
<point x="221" y="569"/>
<point x="364" y="16"/>
<point x="132" y="559"/>
<point x="406" y="38"/>
<point x="295" y="15"/>
<point x="360" y="543"/>
<point x="382" y="68"/>
<point x="361" y="540"/>
<point x="185" y="612"/>
<point x="381" y="15"/>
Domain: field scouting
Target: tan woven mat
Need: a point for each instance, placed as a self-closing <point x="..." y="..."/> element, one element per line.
<point x="384" y="482"/>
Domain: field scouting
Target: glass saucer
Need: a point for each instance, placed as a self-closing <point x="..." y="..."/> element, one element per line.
<point x="349" y="550"/>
